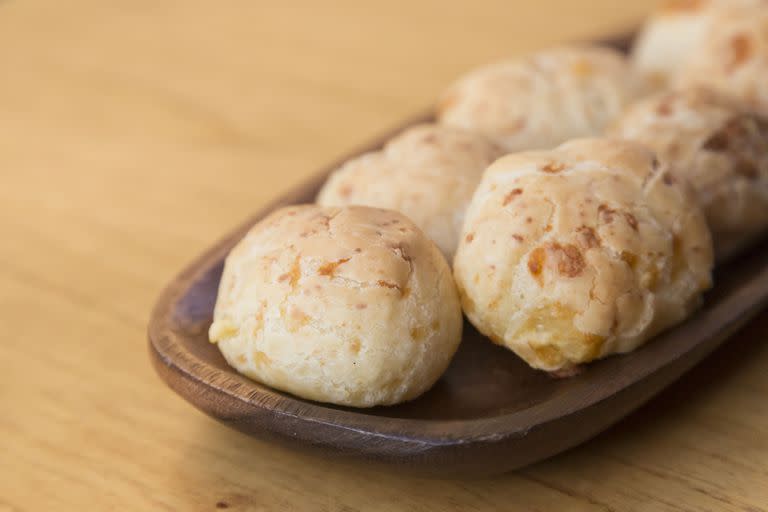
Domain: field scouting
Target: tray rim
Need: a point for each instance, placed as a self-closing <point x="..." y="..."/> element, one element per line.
<point x="418" y="431"/>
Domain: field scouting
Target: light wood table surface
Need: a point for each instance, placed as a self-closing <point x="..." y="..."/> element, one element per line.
<point x="135" y="133"/>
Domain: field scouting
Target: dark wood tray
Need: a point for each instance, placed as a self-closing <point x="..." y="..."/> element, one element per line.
<point x="489" y="413"/>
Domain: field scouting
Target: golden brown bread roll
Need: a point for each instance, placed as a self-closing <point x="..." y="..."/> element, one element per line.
<point x="576" y="253"/>
<point x="428" y="172"/>
<point x="353" y="306"/>
<point x="542" y="100"/>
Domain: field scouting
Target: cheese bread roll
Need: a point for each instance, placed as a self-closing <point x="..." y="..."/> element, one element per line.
<point x="428" y="172"/>
<point x="584" y="251"/>
<point x="353" y="306"/>
<point x="542" y="100"/>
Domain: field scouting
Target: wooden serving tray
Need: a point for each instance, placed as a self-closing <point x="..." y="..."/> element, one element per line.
<point x="489" y="413"/>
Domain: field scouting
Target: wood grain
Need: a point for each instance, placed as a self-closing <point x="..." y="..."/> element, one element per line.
<point x="118" y="118"/>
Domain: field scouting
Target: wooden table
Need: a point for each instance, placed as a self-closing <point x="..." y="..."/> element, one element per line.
<point x="133" y="134"/>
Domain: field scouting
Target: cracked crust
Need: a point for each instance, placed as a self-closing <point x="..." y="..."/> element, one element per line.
<point x="720" y="149"/>
<point x="428" y="173"/>
<point x="353" y="306"/>
<point x="542" y="100"/>
<point x="586" y="262"/>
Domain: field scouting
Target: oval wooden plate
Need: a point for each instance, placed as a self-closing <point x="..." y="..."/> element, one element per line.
<point x="489" y="412"/>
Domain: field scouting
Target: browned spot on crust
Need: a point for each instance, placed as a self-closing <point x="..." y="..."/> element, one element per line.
<point x="418" y="333"/>
<point x="553" y="167"/>
<point x="405" y="292"/>
<point x="518" y="237"/>
<point x="629" y="258"/>
<point x="300" y="317"/>
<point x="325" y="220"/>
<point x="631" y="220"/>
<point x="606" y="213"/>
<point x="291" y="213"/>
<point x="528" y="220"/>
<point x="548" y="228"/>
<point x="665" y="107"/>
<point x="358" y="250"/>
<point x="469" y="237"/>
<point x="292" y="275"/>
<point x="387" y="284"/>
<point x="718" y="141"/>
<point x="354" y="346"/>
<point x="361" y="306"/>
<point x="587" y="237"/>
<point x="570" y="260"/>
<point x="668" y="179"/>
<point x="741" y="50"/>
<point x="536" y="261"/>
<point x="435" y="325"/>
<point x="345" y="191"/>
<point x="511" y="195"/>
<point x="328" y="269"/>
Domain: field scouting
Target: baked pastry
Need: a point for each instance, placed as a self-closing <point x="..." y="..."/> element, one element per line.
<point x="678" y="30"/>
<point x="733" y="56"/>
<point x="719" y="148"/>
<point x="668" y="38"/>
<point x="353" y="306"/>
<point x="542" y="100"/>
<point x="576" y="253"/>
<point x="428" y="172"/>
